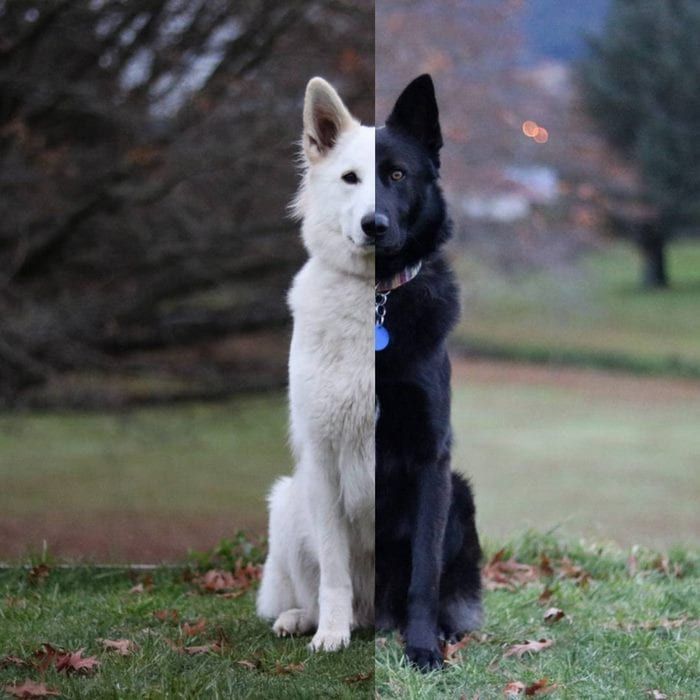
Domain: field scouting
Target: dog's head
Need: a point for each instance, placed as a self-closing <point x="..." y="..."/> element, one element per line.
<point x="337" y="191"/>
<point x="410" y="217"/>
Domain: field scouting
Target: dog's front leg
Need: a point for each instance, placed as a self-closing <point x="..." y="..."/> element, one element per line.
<point x="434" y="495"/>
<point x="335" y="585"/>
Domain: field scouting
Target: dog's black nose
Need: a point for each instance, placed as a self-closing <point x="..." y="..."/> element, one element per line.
<point x="375" y="225"/>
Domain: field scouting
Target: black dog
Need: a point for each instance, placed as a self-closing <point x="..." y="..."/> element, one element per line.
<point x="427" y="548"/>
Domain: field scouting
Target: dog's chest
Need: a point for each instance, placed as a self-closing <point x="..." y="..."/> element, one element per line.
<point x="331" y="363"/>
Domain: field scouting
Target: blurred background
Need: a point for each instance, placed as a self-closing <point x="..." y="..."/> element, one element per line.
<point x="146" y="160"/>
<point x="147" y="154"/>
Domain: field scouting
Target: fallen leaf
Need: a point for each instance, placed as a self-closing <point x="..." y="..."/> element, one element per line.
<point x="545" y="596"/>
<point x="197" y="627"/>
<point x="359" y="678"/>
<point x="215" y="581"/>
<point x="288" y="668"/>
<point x="30" y="689"/>
<point x="450" y="651"/>
<point x="39" y="573"/>
<point x="540" y="687"/>
<point x="553" y="615"/>
<point x="123" y="647"/>
<point x="546" y="568"/>
<point x="75" y="662"/>
<point x="250" y="665"/>
<point x="509" y="574"/>
<point x="214" y="647"/>
<point x="530" y="647"/>
<point x="167" y="615"/>
<point x="46" y="656"/>
<point x="137" y="589"/>
<point x="569" y="570"/>
<point x="657" y="695"/>
<point x="514" y="689"/>
<point x="7" y="661"/>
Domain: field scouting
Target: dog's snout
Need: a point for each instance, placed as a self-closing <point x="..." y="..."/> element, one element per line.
<point x="375" y="225"/>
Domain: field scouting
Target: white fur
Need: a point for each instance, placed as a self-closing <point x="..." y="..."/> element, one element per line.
<point x="319" y="574"/>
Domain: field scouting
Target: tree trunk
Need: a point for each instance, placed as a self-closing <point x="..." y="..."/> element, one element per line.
<point x="655" y="275"/>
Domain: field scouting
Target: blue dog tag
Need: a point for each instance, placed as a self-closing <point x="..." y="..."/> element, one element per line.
<point x="381" y="338"/>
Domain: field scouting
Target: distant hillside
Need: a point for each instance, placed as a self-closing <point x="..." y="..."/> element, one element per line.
<point x="556" y="30"/>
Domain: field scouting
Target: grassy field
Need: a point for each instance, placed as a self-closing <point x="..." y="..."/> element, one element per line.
<point x="625" y="633"/>
<point x="591" y="313"/>
<point x="593" y="453"/>
<point x="74" y="609"/>
<point x="630" y="626"/>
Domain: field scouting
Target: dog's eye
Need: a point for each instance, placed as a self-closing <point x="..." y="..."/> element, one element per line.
<point x="397" y="175"/>
<point x="351" y="178"/>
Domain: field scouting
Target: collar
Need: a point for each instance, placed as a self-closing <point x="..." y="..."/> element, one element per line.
<point x="399" y="279"/>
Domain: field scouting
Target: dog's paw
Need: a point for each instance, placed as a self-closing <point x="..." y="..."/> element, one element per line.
<point x="330" y="640"/>
<point x="425" y="659"/>
<point x="291" y="622"/>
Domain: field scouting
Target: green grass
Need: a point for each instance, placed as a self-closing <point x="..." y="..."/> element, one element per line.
<point x="628" y="631"/>
<point x="182" y="459"/>
<point x="623" y="635"/>
<point x="601" y="462"/>
<point x="605" y="463"/>
<point x="74" y="608"/>
<point x="590" y="313"/>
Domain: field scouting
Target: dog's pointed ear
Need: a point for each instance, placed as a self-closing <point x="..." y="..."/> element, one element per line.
<point x="325" y="118"/>
<point x="416" y="113"/>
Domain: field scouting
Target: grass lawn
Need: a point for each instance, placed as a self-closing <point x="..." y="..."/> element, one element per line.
<point x="592" y="312"/>
<point x="75" y="608"/>
<point x="630" y="626"/>
<point x="625" y="633"/>
<point x="599" y="454"/>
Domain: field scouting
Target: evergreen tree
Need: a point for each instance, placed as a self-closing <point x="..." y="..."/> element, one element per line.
<point x="642" y="87"/>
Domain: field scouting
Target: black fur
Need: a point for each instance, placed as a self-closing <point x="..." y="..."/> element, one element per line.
<point x="427" y="548"/>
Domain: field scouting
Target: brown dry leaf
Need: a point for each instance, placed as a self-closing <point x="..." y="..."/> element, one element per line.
<point x="545" y="596"/>
<point x="450" y="651"/>
<point x="530" y="647"/>
<point x="657" y="695"/>
<point x="569" y="570"/>
<point x="46" y="656"/>
<point x="30" y="689"/>
<point x="214" y="647"/>
<point x="514" y="689"/>
<point x="7" y="661"/>
<point x="250" y="665"/>
<point x="281" y="669"/>
<point x="216" y="581"/>
<point x="123" y="647"/>
<point x="553" y="615"/>
<point x="546" y="568"/>
<point x="195" y="628"/>
<point x="75" y="662"/>
<point x="167" y="615"/>
<point x="540" y="687"/>
<point x="509" y="574"/>
<point x="359" y="678"/>
<point x="39" y="573"/>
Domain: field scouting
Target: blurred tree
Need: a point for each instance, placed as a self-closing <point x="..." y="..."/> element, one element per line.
<point x="146" y="159"/>
<point x="642" y="88"/>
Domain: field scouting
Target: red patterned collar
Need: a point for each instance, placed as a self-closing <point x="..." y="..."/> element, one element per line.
<point x="399" y="279"/>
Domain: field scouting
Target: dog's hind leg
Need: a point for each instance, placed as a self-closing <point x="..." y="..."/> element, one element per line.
<point x="460" y="587"/>
<point x="277" y="592"/>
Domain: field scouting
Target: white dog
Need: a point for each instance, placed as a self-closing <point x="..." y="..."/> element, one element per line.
<point x="319" y="574"/>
